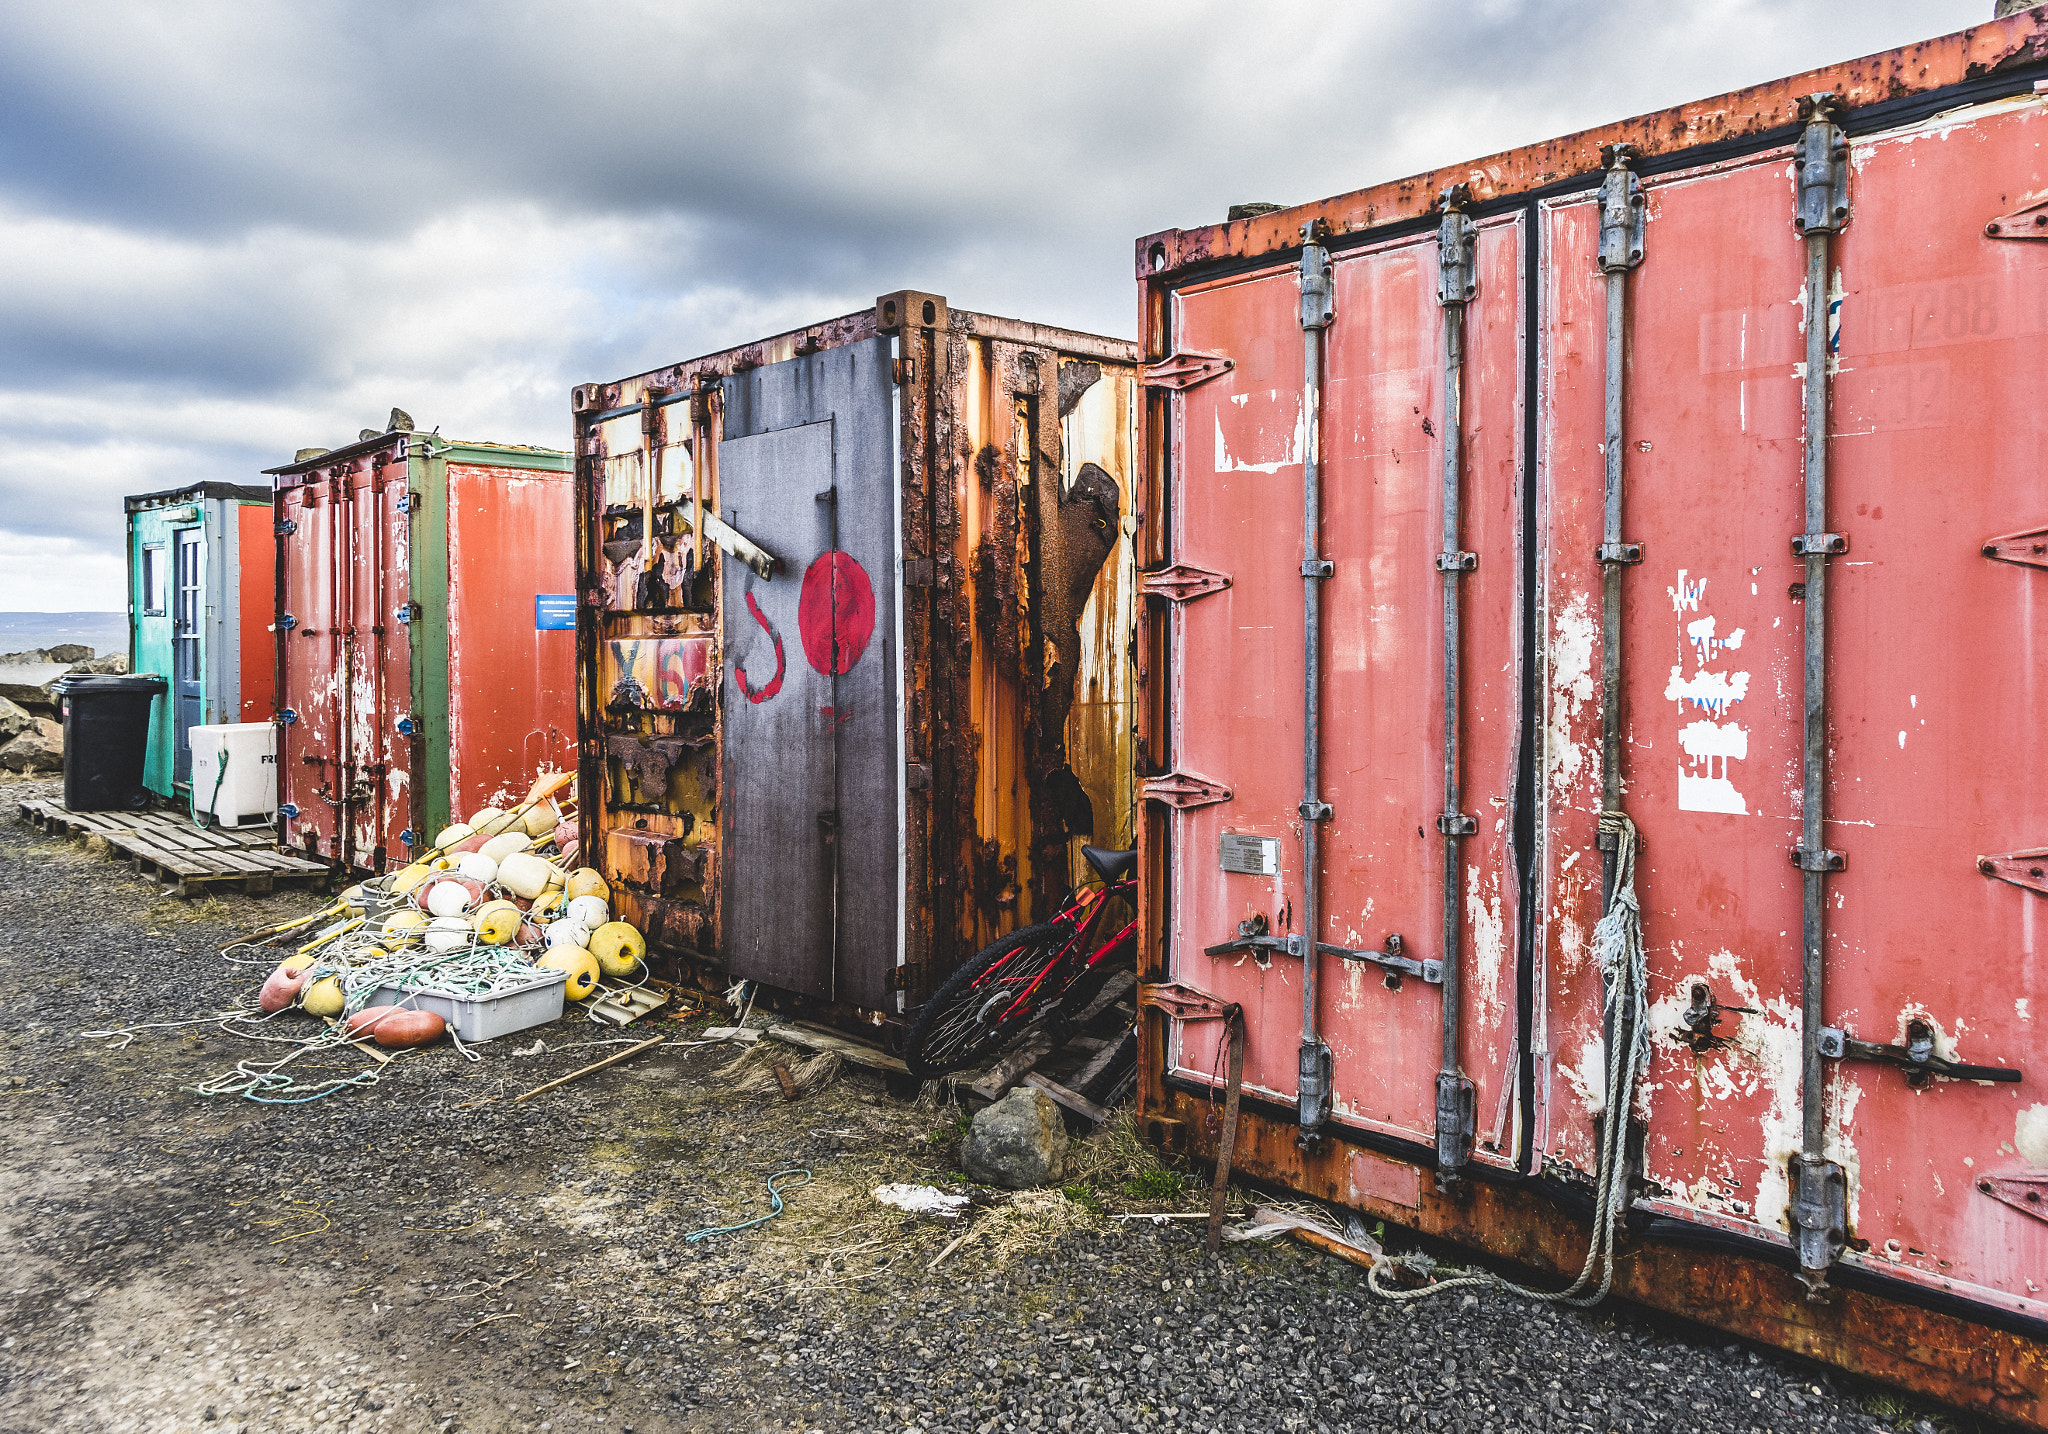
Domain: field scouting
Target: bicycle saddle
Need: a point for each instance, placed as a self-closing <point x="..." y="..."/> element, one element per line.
<point x="1111" y="865"/>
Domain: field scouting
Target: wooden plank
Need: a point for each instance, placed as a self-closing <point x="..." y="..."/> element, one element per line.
<point x="180" y="863"/>
<point x="812" y="1039"/>
<point x="1072" y="1100"/>
<point x="1011" y="1068"/>
<point x="1101" y="1060"/>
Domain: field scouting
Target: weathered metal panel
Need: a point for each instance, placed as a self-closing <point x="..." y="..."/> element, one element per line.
<point x="1010" y="466"/>
<point x="255" y="597"/>
<point x="1936" y="326"/>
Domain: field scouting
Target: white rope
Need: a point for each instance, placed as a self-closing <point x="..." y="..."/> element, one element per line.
<point x="1618" y="939"/>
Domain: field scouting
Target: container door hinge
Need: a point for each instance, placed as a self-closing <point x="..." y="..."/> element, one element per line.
<point x="1820" y="1219"/>
<point x="2029" y="548"/>
<point x="2021" y="868"/>
<point x="1621" y="211"/>
<point x="1317" y="567"/>
<point x="1182" y="372"/>
<point x="2025" y="1190"/>
<point x="1311" y="811"/>
<point x="1457" y="1123"/>
<point x="1316" y="1077"/>
<point x="1183" y="790"/>
<point x="1391" y="961"/>
<point x="1916" y="1057"/>
<point x="1822" y="164"/>
<point x="1619" y="554"/>
<point x="1184" y="1003"/>
<point x="1457" y="562"/>
<point x="1822" y="860"/>
<point x="1318" y="285"/>
<point x="2029" y="221"/>
<point x="1182" y="582"/>
<point x="1819" y="545"/>
<point x="1456" y="283"/>
<point x="1457" y="824"/>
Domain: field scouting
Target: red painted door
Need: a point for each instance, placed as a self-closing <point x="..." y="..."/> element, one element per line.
<point x="309" y="738"/>
<point x="1940" y="333"/>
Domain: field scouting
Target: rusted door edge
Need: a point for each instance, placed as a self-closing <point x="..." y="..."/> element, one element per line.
<point x="1997" y="58"/>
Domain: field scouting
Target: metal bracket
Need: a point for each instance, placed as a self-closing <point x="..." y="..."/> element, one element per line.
<point x="405" y="501"/>
<point x="410" y="726"/>
<point x="1457" y="562"/>
<point x="1822" y="860"/>
<point x="1315" y="811"/>
<point x="1619" y="554"/>
<point x="1457" y="1123"/>
<point x="1457" y="824"/>
<point x="287" y="717"/>
<point x="1456" y="282"/>
<point x="2029" y="221"/>
<point x="286" y="528"/>
<point x="1819" y="545"/>
<point x="1184" y="1003"/>
<point x="2025" y="1190"/>
<point x="1916" y="1058"/>
<point x="287" y="623"/>
<point x="1182" y="372"/>
<point x="1183" y="790"/>
<point x="2029" y="548"/>
<point x="1318" y="287"/>
<point x="1182" y="582"/>
<point x="407" y="614"/>
<point x="1622" y="208"/>
<point x="1429" y="969"/>
<point x="1820" y="1219"/>
<point x="1317" y="567"/>
<point x="738" y="545"/>
<point x="2021" y="868"/>
<point x="1315" y="1078"/>
<point x="1822" y="164"/>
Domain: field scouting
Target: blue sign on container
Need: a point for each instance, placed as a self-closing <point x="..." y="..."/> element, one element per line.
<point x="554" y="612"/>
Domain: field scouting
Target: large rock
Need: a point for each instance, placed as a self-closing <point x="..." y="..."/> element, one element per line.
<point x="28" y="683"/>
<point x="112" y="665"/>
<point x="14" y="720"/>
<point x="39" y="748"/>
<point x="1018" y="1142"/>
<point x="69" y="652"/>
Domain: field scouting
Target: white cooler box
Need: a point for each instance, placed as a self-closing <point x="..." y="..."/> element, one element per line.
<point x="234" y="772"/>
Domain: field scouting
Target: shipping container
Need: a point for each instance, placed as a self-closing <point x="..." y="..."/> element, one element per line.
<point x="425" y="651"/>
<point x="199" y="611"/>
<point x="850" y="712"/>
<point x="1686" y="471"/>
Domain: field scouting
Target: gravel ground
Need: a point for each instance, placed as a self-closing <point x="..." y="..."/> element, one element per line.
<point x="425" y="1254"/>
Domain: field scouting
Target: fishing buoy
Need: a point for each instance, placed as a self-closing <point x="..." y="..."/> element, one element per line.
<point x="324" y="997"/>
<point x="396" y="1025"/>
<point x="402" y="928"/>
<point x="448" y="898"/>
<point x="505" y="843"/>
<point x="452" y="835"/>
<point x="524" y="874"/>
<point x="589" y="912"/>
<point x="565" y="833"/>
<point x="408" y="878"/>
<point x="587" y="881"/>
<point x="490" y="821"/>
<point x="540" y="819"/>
<point x="581" y="966"/>
<point x="449" y="933"/>
<point x="619" y="948"/>
<point x="282" y="987"/>
<point x="568" y="933"/>
<point x="478" y="866"/>
<point x="497" y="922"/>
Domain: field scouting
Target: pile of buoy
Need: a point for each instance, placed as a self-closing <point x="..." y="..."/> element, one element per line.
<point x="491" y="902"/>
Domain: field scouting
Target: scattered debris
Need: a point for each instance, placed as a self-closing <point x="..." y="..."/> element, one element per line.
<point x="922" y="1200"/>
<point x="611" y="1060"/>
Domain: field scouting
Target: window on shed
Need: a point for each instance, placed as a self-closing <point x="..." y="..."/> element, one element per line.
<point x="155" y="580"/>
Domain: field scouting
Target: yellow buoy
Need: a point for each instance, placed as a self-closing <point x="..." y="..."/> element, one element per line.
<point x="409" y="878"/>
<point x="541" y="818"/>
<point x="403" y="928"/>
<point x="497" y="922"/>
<point x="581" y="966"/>
<point x="618" y="948"/>
<point x="586" y="881"/>
<point x="324" y="997"/>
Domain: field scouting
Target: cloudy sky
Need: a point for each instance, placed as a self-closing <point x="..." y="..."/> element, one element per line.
<point x="232" y="230"/>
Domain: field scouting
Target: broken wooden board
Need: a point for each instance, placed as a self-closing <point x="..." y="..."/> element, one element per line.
<point x="1071" y="1100"/>
<point x="1012" y="1067"/>
<point x="859" y="1053"/>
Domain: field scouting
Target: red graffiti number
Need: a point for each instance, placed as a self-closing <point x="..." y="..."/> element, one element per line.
<point x="835" y="613"/>
<point x="774" y="684"/>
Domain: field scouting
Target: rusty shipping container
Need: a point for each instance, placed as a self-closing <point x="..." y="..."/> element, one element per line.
<point x="849" y="714"/>
<point x="426" y="661"/>
<point x="1687" y="470"/>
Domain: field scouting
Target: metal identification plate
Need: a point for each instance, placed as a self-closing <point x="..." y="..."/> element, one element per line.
<point x="1253" y="856"/>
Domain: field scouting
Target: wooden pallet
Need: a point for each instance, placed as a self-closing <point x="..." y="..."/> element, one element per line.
<point x="184" y="857"/>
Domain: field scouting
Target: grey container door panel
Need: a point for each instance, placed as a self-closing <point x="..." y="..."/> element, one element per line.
<point x="188" y="608"/>
<point x="816" y="485"/>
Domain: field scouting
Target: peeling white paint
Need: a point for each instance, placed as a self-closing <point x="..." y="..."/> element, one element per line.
<point x="1710" y="744"/>
<point x="2030" y="1135"/>
<point x="1589" y="1076"/>
<point x="1489" y="936"/>
<point x="1226" y="462"/>
<point x="1571" y="687"/>
<point x="2020" y="1008"/>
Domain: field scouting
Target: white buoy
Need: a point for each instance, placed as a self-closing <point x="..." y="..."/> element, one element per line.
<point x="448" y="933"/>
<point x="477" y="867"/>
<point x="589" y="912"/>
<point x="568" y="933"/>
<point x="447" y="898"/>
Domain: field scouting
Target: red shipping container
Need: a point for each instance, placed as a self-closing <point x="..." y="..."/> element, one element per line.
<point x="425" y="637"/>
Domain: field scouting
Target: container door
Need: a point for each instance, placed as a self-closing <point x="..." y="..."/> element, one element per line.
<point x="188" y="686"/>
<point x="376" y="665"/>
<point x="812" y="854"/>
<point x="1238" y="724"/>
<point x="309" y="743"/>
<point x="1934" y="775"/>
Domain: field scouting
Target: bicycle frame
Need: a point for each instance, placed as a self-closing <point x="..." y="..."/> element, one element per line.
<point x="1084" y="908"/>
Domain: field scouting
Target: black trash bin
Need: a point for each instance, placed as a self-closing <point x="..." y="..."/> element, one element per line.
<point x="106" y="739"/>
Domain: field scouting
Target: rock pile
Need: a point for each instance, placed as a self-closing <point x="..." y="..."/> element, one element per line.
<point x="31" y="738"/>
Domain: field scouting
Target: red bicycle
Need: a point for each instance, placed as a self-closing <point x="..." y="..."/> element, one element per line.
<point x="1011" y="983"/>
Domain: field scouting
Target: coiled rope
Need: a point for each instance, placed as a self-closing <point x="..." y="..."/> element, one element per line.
<point x="1624" y="970"/>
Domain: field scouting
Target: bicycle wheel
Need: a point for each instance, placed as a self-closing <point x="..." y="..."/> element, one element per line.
<point x="983" y="1006"/>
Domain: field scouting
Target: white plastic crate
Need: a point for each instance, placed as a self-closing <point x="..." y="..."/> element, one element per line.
<point x="245" y="789"/>
<point x="485" y="1018"/>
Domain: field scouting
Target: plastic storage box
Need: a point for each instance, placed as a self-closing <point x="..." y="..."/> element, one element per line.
<point x="485" y="1018"/>
<point x="234" y="772"/>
